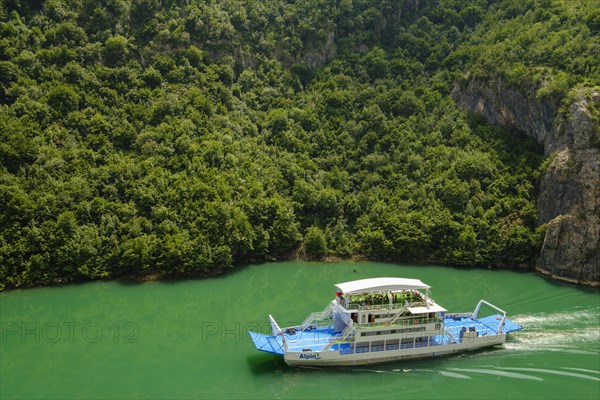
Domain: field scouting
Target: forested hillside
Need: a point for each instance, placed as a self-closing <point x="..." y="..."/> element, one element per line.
<point x="182" y="137"/>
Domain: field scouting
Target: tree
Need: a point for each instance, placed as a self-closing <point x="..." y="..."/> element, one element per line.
<point x="178" y="137"/>
<point x="9" y="73"/>
<point x="315" y="245"/>
<point x="63" y="99"/>
<point x="116" y="50"/>
<point x="377" y="64"/>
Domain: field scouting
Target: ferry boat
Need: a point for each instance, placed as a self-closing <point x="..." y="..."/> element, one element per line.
<point x="380" y="320"/>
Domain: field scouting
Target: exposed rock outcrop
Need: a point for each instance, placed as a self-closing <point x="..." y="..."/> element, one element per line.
<point x="569" y="199"/>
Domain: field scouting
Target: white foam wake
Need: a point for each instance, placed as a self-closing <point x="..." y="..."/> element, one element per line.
<point x="575" y="332"/>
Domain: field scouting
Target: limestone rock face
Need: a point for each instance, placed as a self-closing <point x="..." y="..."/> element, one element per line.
<point x="571" y="184"/>
<point x="509" y="107"/>
<point x="570" y="249"/>
<point x="569" y="199"/>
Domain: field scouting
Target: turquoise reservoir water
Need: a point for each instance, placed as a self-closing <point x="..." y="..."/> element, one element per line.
<point x="187" y="339"/>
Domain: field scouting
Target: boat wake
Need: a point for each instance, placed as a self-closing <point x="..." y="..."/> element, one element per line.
<point x="545" y="320"/>
<point x="575" y="332"/>
<point x="534" y="374"/>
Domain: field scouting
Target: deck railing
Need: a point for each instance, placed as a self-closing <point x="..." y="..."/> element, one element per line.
<point x="476" y="312"/>
<point x="317" y="316"/>
<point x="356" y="306"/>
<point x="401" y="322"/>
<point x="386" y="306"/>
<point x="384" y="300"/>
<point x="458" y="316"/>
<point x="340" y="337"/>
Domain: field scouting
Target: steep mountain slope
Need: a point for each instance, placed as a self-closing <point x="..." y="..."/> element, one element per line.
<point x="550" y="94"/>
<point x="569" y="199"/>
<point x="182" y="137"/>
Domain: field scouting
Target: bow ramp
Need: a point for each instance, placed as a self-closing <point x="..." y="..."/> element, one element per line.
<point x="267" y="343"/>
<point x="508" y="326"/>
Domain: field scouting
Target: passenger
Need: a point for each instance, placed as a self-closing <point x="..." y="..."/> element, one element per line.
<point x="461" y="334"/>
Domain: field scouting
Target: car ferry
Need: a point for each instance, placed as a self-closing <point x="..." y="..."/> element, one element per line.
<point x="383" y="320"/>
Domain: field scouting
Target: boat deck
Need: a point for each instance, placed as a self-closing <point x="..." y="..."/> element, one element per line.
<point x="483" y="326"/>
<point x="318" y="339"/>
<point x="315" y="340"/>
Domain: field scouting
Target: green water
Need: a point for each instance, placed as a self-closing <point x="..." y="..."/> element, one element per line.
<point x="186" y="339"/>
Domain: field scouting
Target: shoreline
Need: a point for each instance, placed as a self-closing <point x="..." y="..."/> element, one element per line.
<point x="157" y="276"/>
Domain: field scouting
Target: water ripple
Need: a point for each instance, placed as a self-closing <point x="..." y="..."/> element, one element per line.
<point x="498" y="373"/>
<point x="553" y="372"/>
<point x="583" y="370"/>
<point x="454" y="375"/>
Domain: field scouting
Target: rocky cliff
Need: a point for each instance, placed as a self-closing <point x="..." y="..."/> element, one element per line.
<point x="569" y="199"/>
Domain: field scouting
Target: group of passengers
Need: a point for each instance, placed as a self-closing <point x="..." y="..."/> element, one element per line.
<point x="369" y="299"/>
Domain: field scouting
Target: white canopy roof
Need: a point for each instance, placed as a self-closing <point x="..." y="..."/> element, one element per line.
<point x="380" y="284"/>
<point x="422" y="310"/>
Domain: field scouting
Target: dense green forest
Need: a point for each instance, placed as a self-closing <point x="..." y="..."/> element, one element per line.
<point x="181" y="137"/>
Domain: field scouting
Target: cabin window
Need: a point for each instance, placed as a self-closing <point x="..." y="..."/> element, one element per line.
<point x="362" y="347"/>
<point x="392" y="344"/>
<point x="393" y="331"/>
<point x="421" y="328"/>
<point x="377" y="345"/>
<point x="421" y="341"/>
